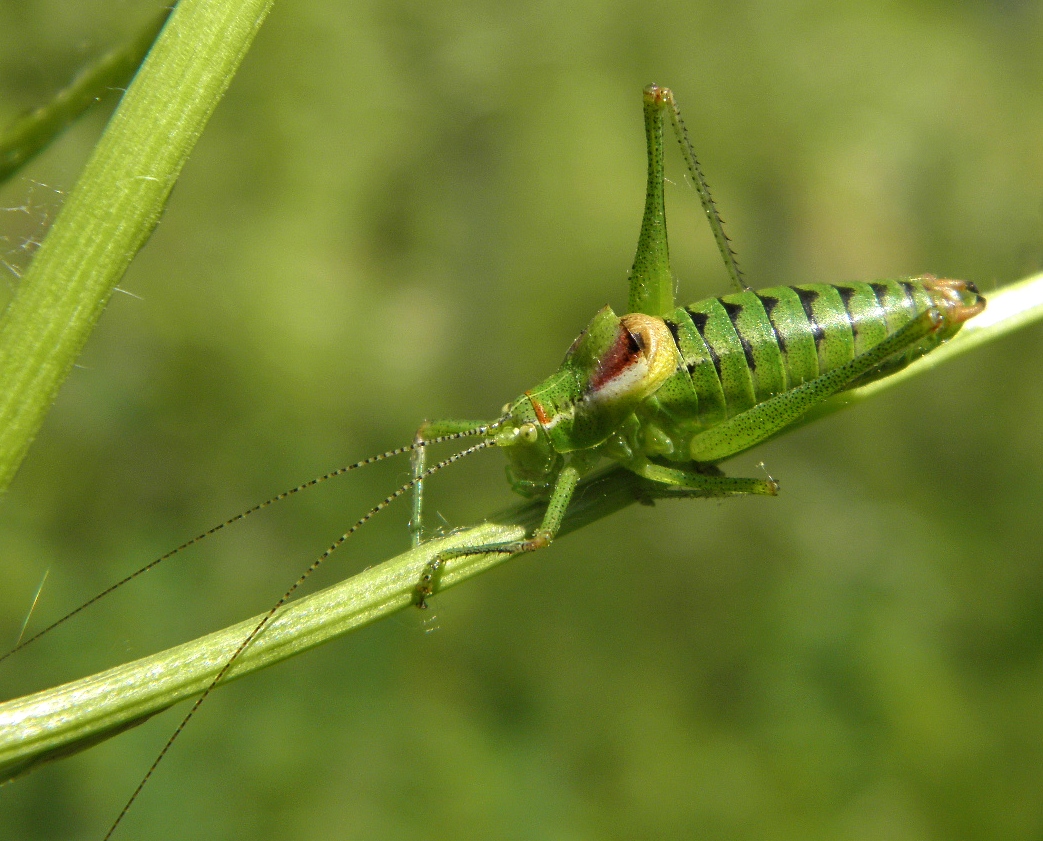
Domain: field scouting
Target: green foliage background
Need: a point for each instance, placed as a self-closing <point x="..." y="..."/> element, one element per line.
<point x="404" y="211"/>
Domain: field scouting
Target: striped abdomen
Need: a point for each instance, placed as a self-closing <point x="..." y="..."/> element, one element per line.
<point x="739" y="350"/>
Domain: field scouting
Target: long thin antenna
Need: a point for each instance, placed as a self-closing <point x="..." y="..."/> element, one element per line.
<point x="478" y="430"/>
<point x="376" y="509"/>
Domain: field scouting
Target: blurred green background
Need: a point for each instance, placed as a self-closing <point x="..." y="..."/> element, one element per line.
<point x="403" y="211"/>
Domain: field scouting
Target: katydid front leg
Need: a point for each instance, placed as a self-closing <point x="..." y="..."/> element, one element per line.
<point x="576" y="465"/>
<point x="429" y="430"/>
<point x="417" y="463"/>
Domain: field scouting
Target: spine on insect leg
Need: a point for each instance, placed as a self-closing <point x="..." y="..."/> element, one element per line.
<point x="739" y="350"/>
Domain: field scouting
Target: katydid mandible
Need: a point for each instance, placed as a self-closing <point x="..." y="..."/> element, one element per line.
<point x="666" y="392"/>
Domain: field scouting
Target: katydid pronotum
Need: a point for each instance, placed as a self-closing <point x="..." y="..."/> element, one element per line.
<point x="665" y="392"/>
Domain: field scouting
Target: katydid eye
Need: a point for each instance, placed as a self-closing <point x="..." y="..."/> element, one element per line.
<point x="638" y="344"/>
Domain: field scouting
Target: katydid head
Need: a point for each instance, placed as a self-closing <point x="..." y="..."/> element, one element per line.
<point x="532" y="461"/>
<point x="610" y="368"/>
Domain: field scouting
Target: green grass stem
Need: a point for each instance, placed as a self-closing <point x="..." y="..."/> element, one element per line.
<point x="32" y="133"/>
<point x="74" y="716"/>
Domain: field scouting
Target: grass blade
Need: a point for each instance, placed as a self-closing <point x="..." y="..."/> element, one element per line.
<point x="69" y="718"/>
<point x="113" y="209"/>
<point x="32" y="133"/>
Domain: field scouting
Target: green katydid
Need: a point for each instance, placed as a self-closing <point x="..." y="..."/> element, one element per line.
<point x="667" y="392"/>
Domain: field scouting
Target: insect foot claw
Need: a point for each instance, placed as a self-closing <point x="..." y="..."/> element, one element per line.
<point x="426" y="586"/>
<point x="538" y="541"/>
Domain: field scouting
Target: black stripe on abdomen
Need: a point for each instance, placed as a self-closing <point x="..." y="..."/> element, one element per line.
<point x="807" y="298"/>
<point x="734" y="312"/>
<point x="699" y="319"/>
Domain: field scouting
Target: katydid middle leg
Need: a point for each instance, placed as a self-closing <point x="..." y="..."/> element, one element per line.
<point x="707" y="482"/>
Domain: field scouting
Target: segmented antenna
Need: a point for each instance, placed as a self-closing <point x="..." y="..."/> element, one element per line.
<point x="478" y="430"/>
<point x="376" y="509"/>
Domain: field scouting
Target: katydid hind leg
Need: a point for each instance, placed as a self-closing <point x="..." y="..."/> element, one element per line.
<point x="651" y="281"/>
<point x="731" y="262"/>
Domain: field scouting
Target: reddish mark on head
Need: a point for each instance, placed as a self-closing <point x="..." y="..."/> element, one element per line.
<point x="541" y="414"/>
<point x="625" y="351"/>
